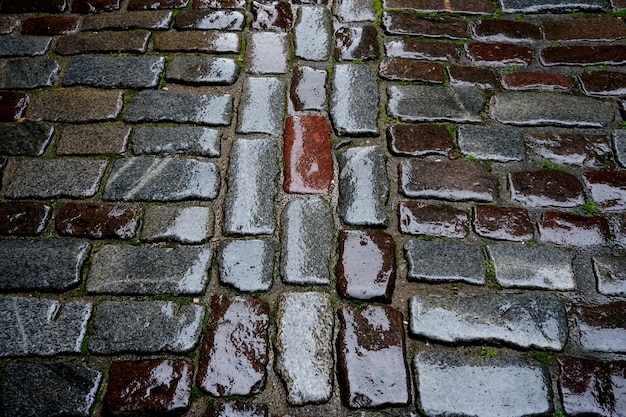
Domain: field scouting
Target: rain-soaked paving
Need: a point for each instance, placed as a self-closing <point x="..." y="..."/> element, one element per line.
<point x="312" y="208"/>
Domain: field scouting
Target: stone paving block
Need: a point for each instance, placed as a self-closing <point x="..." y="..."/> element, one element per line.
<point x="354" y="100"/>
<point x="444" y="262"/>
<point x="155" y="19"/>
<point x="499" y="386"/>
<point x="76" y="105"/>
<point x="162" y="179"/>
<point x="158" y="386"/>
<point x="608" y="189"/>
<point x="419" y="139"/>
<point x="29" y="73"/>
<point x="603" y="83"/>
<point x="356" y="43"/>
<point x="50" y="25"/>
<point x="115" y="72"/>
<point x="197" y="41"/>
<point x="308" y="88"/>
<point x="363" y="186"/>
<point x="163" y="106"/>
<point x="25" y="139"/>
<point x="13" y="105"/>
<point x="97" y="221"/>
<point x="355" y="10"/>
<point x="419" y="49"/>
<point x="247" y="265"/>
<point x="202" y="70"/>
<point x="409" y="70"/>
<point x="219" y="4"/>
<point x="307" y="154"/>
<point x="618" y="228"/>
<point x="39" y="6"/>
<point x="306" y="242"/>
<point x="472" y="77"/>
<point x="602" y="328"/>
<point x="33" y="326"/>
<point x="611" y="274"/>
<point x="190" y="140"/>
<point x="126" y="269"/>
<point x="235" y="409"/>
<point x="93" y="139"/>
<point x="532" y="267"/>
<point x="500" y="144"/>
<point x="145" y="326"/>
<point x="134" y="41"/>
<point x="502" y="223"/>
<point x="546" y="188"/>
<point x="587" y="29"/>
<point x="451" y="6"/>
<point x="526" y="321"/>
<point x="407" y="23"/>
<point x="499" y="54"/>
<point x="235" y="353"/>
<point x="419" y="103"/>
<point x="619" y="143"/>
<point x="573" y="229"/>
<point x="591" y="387"/>
<point x="23" y="218"/>
<point x="419" y="218"/>
<point x="500" y="30"/>
<point x="24" y="46"/>
<point x="583" y="55"/>
<point x="579" y="149"/>
<point x="271" y="15"/>
<point x="267" y="53"/>
<point x="542" y="6"/>
<point x="312" y="33"/>
<point x="95" y="6"/>
<point x="8" y="24"/>
<point x="304" y="344"/>
<point x="252" y="187"/>
<point x="45" y="265"/>
<point x="459" y="180"/>
<point x="210" y="20"/>
<point x="72" y="178"/>
<point x="262" y="106"/>
<point x="366" y="269"/>
<point x="157" y="4"/>
<point x="189" y="225"/>
<point x="530" y="80"/>
<point x="48" y="389"/>
<point x="371" y="358"/>
<point x="540" y="109"/>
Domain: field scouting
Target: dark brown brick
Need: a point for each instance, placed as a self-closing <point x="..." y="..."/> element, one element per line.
<point x="274" y="15"/>
<point x="95" y="6"/>
<point x="197" y="41"/>
<point x="157" y="4"/>
<point x="584" y="55"/>
<point x="502" y="223"/>
<point x="37" y="6"/>
<point x="210" y="20"/>
<point x="530" y="80"/>
<point x="93" y="139"/>
<point x="604" y="83"/>
<point x="579" y="149"/>
<point x="97" y="221"/>
<point x="12" y="105"/>
<point x="602" y="328"/>
<point x="135" y="41"/>
<point x="546" y="188"/>
<point x="419" y="139"/>
<point x="23" y="218"/>
<point x="410" y="70"/>
<point x="419" y="49"/>
<point x="499" y="54"/>
<point x="608" y="189"/>
<point x="401" y="23"/>
<point x="465" y="76"/>
<point x="505" y="30"/>
<point x="449" y="6"/>
<point x="219" y="4"/>
<point x="419" y="218"/>
<point x="356" y="43"/>
<point x="158" y="19"/>
<point x="50" y="25"/>
<point x="573" y="229"/>
<point x="594" y="29"/>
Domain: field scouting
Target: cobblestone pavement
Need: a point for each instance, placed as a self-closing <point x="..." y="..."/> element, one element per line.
<point x="312" y="207"/>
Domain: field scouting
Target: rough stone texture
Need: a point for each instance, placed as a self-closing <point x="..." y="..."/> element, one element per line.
<point x="306" y="241"/>
<point x="97" y="221"/>
<point x="24" y="46"/>
<point x="530" y="80"/>
<point x="619" y="142"/>
<point x="134" y="41"/>
<point x="583" y="55"/>
<point x="472" y="77"/>
<point x="34" y="326"/>
<point x="499" y="54"/>
<point x="499" y="386"/>
<point x="451" y="6"/>
<point x="363" y="186"/>
<point x="50" y="25"/>
<point x="603" y="83"/>
<point x="579" y="149"/>
<point x="305" y="347"/>
<point x="8" y="24"/>
<point x="93" y="139"/>
<point x="158" y="20"/>
<point x="162" y="179"/>
<point x="145" y="326"/>
<point x="354" y="10"/>
<point x="48" y="389"/>
<point x="190" y="140"/>
<point x="532" y="267"/>
<point x="198" y="41"/>
<point x="498" y="30"/>
<point x="366" y="269"/>
<point x="126" y="269"/>
<point x="202" y="70"/>
<point x="267" y="53"/>
<point x="408" y="70"/>
<point x="618" y="226"/>
<point x="262" y="106"/>
<point x="73" y="178"/>
<point x="502" y="223"/>
<point x="500" y="144"/>
<point x="546" y="188"/>
<point x="251" y="187"/>
<point x="271" y="15"/>
<point x="219" y="4"/>
<point x="608" y="189"/>
<point x="407" y="23"/>
<point x="419" y="139"/>
<point x="75" y="105"/>
<point x="444" y="262"/>
<point x="308" y="88"/>
<point x="356" y="43"/>
<point x="587" y="29"/>
<point x="235" y="409"/>
<point x="371" y="359"/>
<point x="190" y="225"/>
<point x="25" y="139"/>
<point x="419" y="49"/>
<point x="419" y="218"/>
<point x="611" y="274"/>
<point x="95" y="6"/>
<point x="40" y="6"/>
<point x="148" y="386"/>
<point x="354" y="100"/>
<point x="210" y="20"/>
<point x="602" y="328"/>
<point x="157" y="4"/>
<point x="541" y="6"/>
<point x="23" y="218"/>
<point x="235" y="349"/>
<point x="29" y="73"/>
<point x="312" y="33"/>
<point x="13" y="105"/>
<point x="572" y="229"/>
<point x="247" y="265"/>
<point x="525" y="321"/>
<point x="114" y="72"/>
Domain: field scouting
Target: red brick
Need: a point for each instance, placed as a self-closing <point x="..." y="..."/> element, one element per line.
<point x="157" y="4"/>
<point x="530" y="80"/>
<point x="12" y="105"/>
<point x="608" y="189"/>
<point x="419" y="49"/>
<point x="50" y="25"/>
<point x="37" y="6"/>
<point x="97" y="221"/>
<point x="410" y="70"/>
<point x="502" y="223"/>
<point x="308" y="157"/>
<point x="593" y="29"/>
<point x="419" y="139"/>
<point x="449" y="6"/>
<point x="603" y="83"/>
<point x="584" y="55"/>
<point x="546" y="188"/>
<point x="401" y="23"/>
<point x="505" y="31"/>
<point x="499" y="54"/>
<point x="95" y="6"/>
<point x="465" y="76"/>
<point x="573" y="230"/>
<point x="24" y="218"/>
<point x="419" y="218"/>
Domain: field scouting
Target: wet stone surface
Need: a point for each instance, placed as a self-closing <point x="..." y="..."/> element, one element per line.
<point x="304" y="347"/>
<point x="354" y="10"/>
<point x="603" y="83"/>
<point x="189" y="225"/>
<point x="210" y="20"/>
<point x="608" y="189"/>
<point x="573" y="229"/>
<point x="502" y="223"/>
<point x="50" y="25"/>
<point x="95" y="6"/>
<point x="190" y="140"/>
<point x="210" y="42"/>
<point x="235" y="409"/>
<point x="521" y="320"/>
<point x="583" y="55"/>
<point x="354" y="100"/>
<point x="505" y="31"/>
<point x="41" y="6"/>
<point x="271" y="15"/>
<point x="12" y="105"/>
<point x="24" y="46"/>
<point x="92" y="42"/>
<point x="23" y="218"/>
<point x="312" y="33"/>
<point x="409" y="70"/>
<point x="592" y="29"/>
<point x="546" y="188"/>
<point x="602" y="328"/>
<point x="76" y="105"/>
<point x="586" y="150"/>
<point x="499" y="54"/>
<point x="356" y="43"/>
<point x="25" y="139"/>
<point x="262" y="106"/>
<point x="202" y="70"/>
<point x="114" y="72"/>
<point x="529" y="80"/>
<point x="367" y="266"/>
<point x="27" y="73"/>
<point x="419" y="139"/>
<point x="406" y="23"/>
<point x="535" y="6"/>
<point x="267" y="53"/>
<point x="499" y="144"/>
<point x="109" y="140"/>
<point x="155" y="19"/>
<point x="148" y="386"/>
<point x="419" y="49"/>
<point x="371" y="360"/>
<point x="47" y="390"/>
<point x="156" y="4"/>
<point x="438" y="262"/>
<point x="472" y="77"/>
<point x="97" y="221"/>
<point x="308" y="89"/>
<point x="126" y="269"/>
<point x="34" y="326"/>
<point x="247" y="265"/>
<point x="419" y="218"/>
<point x="455" y="6"/>
<point x="619" y="142"/>
<point x="611" y="274"/>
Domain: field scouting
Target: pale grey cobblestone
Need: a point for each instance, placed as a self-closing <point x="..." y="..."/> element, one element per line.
<point x="262" y="107"/>
<point x="444" y="262"/>
<point x="190" y="140"/>
<point x="312" y="33"/>
<point x="247" y="265"/>
<point x="189" y="225"/>
<point x="354" y="100"/>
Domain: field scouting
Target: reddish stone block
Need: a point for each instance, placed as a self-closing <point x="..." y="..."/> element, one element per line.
<point x="448" y="6"/>
<point x="546" y="188"/>
<point x="419" y="49"/>
<point x="129" y="20"/>
<point x="472" y="76"/>
<point x="502" y="223"/>
<point x="584" y="55"/>
<point x="35" y="6"/>
<point x="356" y="43"/>
<point x="608" y="189"/>
<point x="197" y="41"/>
<point x="530" y="80"/>
<point x="97" y="221"/>
<point x="591" y="29"/>
<point x="410" y="70"/>
<point x="50" y="25"/>
<point x="210" y="20"/>
<point x="419" y="218"/>
<point x="367" y="265"/>
<point x="402" y="23"/>
<point x="276" y="15"/>
<point x="573" y="229"/>
<point x="499" y="54"/>
<point x="505" y="31"/>
<point x="308" y="156"/>
<point x="219" y="4"/>
<point x="134" y="41"/>
<point x="603" y="328"/>
<point x="95" y="6"/>
<point x="580" y="149"/>
<point x="12" y="105"/>
<point x="23" y="219"/>
<point x="153" y="387"/>
<point x="419" y="139"/>
<point x="157" y="4"/>
<point x="603" y="83"/>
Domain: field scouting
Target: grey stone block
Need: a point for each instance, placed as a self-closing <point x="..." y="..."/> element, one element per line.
<point x="354" y="100"/>
<point x="247" y="265"/>
<point x="267" y="53"/>
<point x="619" y="140"/>
<point x="262" y="106"/>
<point x="538" y="6"/>
<point x="24" y="45"/>
<point x="115" y="72"/>
<point x="498" y="144"/>
<point x="33" y="326"/>
<point x="169" y="140"/>
<point x="355" y="10"/>
<point x="29" y="73"/>
<point x="125" y="269"/>
<point x="146" y="327"/>
<point x="611" y="274"/>
<point x="312" y="33"/>
<point x="191" y="225"/>
<point x="25" y="139"/>
<point x="444" y="262"/>
<point x="202" y="70"/>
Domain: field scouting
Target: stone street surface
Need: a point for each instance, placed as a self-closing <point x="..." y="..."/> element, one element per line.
<point x="320" y="208"/>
